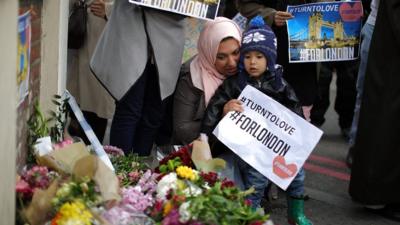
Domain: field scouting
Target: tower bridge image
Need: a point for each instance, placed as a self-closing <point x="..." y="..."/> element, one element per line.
<point x="314" y="37"/>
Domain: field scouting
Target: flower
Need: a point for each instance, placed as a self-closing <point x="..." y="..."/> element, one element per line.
<point x="182" y="154"/>
<point x="168" y="207"/>
<point x="172" y="218"/>
<point x="186" y="173"/>
<point x="184" y="212"/>
<point x="113" y="151"/>
<point x="73" y="213"/>
<point x="210" y="177"/>
<point x="167" y="183"/>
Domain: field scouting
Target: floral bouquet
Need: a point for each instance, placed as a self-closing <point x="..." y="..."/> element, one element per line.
<point x="187" y="197"/>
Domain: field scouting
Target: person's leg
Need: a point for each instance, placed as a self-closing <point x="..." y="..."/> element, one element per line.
<point x="152" y="115"/>
<point x="366" y="41"/>
<point x="252" y="178"/>
<point x="98" y="124"/>
<point x="128" y="112"/>
<point x="366" y="34"/>
<point x="346" y="93"/>
<point x="295" y="200"/>
<point x="322" y="102"/>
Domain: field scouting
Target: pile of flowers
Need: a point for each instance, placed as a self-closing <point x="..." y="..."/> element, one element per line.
<point x="188" y="197"/>
<point x="174" y="193"/>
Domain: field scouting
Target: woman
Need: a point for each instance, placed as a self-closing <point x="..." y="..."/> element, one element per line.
<point x="218" y="55"/>
<point x="96" y="103"/>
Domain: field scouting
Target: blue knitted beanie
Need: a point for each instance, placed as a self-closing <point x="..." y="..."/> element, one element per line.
<point x="260" y="37"/>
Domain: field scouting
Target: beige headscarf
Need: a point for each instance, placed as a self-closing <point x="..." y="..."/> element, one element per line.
<point x="203" y="72"/>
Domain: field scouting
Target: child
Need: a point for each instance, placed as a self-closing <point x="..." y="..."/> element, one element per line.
<point x="257" y="68"/>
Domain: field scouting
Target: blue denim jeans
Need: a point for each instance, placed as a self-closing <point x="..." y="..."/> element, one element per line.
<point x="366" y="34"/>
<point x="252" y="178"/>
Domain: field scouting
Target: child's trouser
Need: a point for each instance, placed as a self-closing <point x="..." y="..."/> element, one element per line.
<point x="252" y="178"/>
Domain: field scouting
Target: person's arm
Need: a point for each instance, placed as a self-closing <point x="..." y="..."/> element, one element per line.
<point x="215" y="109"/>
<point x="186" y="118"/>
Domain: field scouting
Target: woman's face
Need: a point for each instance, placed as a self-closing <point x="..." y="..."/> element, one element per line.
<point x="227" y="57"/>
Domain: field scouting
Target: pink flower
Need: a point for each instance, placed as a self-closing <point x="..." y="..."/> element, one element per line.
<point x="113" y="151"/>
<point x="23" y="188"/>
<point x="63" y="144"/>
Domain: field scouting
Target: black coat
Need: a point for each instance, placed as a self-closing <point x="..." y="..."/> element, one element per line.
<point x="230" y="89"/>
<point x="375" y="177"/>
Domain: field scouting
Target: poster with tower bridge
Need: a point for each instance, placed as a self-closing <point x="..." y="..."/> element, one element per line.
<point x="321" y="32"/>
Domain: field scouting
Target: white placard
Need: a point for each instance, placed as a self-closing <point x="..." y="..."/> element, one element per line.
<point x="202" y="9"/>
<point x="268" y="136"/>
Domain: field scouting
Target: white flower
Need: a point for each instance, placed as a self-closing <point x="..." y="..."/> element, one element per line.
<point x="184" y="212"/>
<point x="167" y="183"/>
<point x="253" y="37"/>
<point x="192" y="190"/>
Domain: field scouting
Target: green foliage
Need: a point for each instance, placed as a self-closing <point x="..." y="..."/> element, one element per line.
<point x="128" y="163"/>
<point x="223" y="206"/>
<point x="37" y="128"/>
<point x="171" y="165"/>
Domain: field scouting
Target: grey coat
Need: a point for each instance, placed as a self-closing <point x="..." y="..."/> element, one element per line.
<point x="123" y="50"/>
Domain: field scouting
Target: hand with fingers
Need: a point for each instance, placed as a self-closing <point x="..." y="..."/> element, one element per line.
<point x="232" y="105"/>
<point x="281" y="18"/>
<point x="98" y="8"/>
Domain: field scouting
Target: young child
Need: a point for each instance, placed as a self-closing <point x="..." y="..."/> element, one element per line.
<point x="257" y="68"/>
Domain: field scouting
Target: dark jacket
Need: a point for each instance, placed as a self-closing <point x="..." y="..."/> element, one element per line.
<point x="231" y="89"/>
<point x="375" y="173"/>
<point x="188" y="110"/>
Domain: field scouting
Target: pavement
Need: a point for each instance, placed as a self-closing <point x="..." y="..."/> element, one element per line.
<point x="327" y="183"/>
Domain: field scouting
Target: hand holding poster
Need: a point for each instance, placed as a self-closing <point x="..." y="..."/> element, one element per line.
<point x="268" y="136"/>
<point x="328" y="31"/>
<point x="202" y="9"/>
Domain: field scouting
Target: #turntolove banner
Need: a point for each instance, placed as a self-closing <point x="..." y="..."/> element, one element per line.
<point x="203" y="9"/>
<point x="268" y="136"/>
<point x="327" y="31"/>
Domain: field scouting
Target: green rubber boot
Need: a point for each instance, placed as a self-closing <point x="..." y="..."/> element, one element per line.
<point x="296" y="212"/>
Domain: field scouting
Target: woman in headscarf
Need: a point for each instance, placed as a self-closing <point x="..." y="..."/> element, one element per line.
<point x="217" y="58"/>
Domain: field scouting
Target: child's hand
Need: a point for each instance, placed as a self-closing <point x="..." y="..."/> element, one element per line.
<point x="281" y="17"/>
<point x="232" y="105"/>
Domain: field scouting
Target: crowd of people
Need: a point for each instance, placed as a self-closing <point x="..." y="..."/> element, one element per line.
<point x="133" y="56"/>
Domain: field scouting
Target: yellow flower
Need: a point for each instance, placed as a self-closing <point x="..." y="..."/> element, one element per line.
<point x="74" y="213"/>
<point x="167" y="208"/>
<point x="186" y="173"/>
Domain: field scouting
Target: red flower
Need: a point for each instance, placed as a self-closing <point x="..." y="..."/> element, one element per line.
<point x="247" y="202"/>
<point x="182" y="153"/>
<point x="209" y="177"/>
<point x="227" y="183"/>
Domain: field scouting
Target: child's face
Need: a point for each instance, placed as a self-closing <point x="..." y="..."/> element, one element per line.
<point x="255" y="63"/>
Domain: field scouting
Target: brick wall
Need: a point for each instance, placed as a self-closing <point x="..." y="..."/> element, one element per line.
<point x="25" y="108"/>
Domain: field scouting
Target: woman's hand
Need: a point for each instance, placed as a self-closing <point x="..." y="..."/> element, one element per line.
<point x="98" y="8"/>
<point x="232" y="105"/>
<point x="281" y="17"/>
